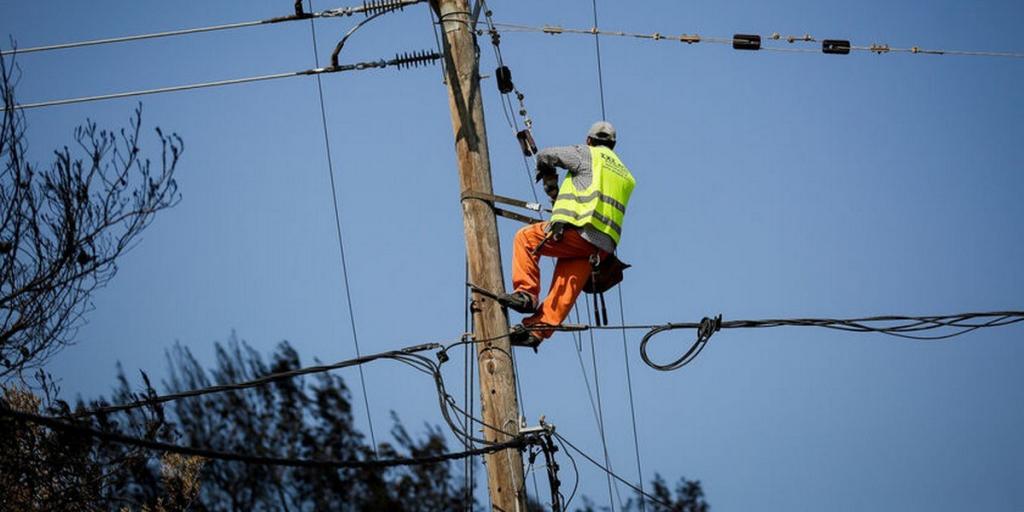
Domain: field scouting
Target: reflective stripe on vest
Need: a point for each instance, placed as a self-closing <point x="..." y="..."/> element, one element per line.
<point x="603" y="203"/>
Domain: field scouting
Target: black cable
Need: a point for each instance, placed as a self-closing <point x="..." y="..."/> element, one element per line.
<point x="876" y="48"/>
<point x="337" y="225"/>
<point x="467" y="381"/>
<point x="612" y="474"/>
<point x="960" y="321"/>
<point x="703" y="335"/>
<point x="506" y="103"/>
<point x="600" y="74"/>
<point x="344" y="39"/>
<point x="56" y="424"/>
<point x="262" y="381"/>
<point x="902" y="325"/>
<point x="632" y="405"/>
<point x="600" y="412"/>
<point x="330" y="13"/>
<point x="522" y="413"/>
<point x="400" y="61"/>
<point x="575" y="470"/>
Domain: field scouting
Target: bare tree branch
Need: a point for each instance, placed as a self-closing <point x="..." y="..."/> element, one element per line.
<point x="63" y="229"/>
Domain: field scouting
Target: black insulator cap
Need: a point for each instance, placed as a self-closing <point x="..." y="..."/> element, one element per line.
<point x="835" y="46"/>
<point x="504" y="77"/>
<point x="526" y="142"/>
<point x="746" y="42"/>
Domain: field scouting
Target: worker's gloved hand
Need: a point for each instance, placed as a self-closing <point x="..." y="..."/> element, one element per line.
<point x="556" y="229"/>
<point x="544" y="171"/>
<point x="551" y="186"/>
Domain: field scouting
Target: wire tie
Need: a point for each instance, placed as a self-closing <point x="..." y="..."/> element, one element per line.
<point x="709" y="326"/>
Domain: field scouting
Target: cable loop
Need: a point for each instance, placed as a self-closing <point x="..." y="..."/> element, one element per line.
<point x="706" y="328"/>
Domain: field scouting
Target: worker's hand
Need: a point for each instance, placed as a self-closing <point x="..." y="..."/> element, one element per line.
<point x="551" y="187"/>
<point x="544" y="172"/>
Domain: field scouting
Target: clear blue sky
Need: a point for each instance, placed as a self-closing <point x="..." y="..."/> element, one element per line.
<point x="769" y="185"/>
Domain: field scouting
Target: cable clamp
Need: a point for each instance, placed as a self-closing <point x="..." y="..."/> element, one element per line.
<point x="709" y="326"/>
<point x="541" y="429"/>
<point x="880" y="48"/>
<point x="552" y="29"/>
<point x="689" y="38"/>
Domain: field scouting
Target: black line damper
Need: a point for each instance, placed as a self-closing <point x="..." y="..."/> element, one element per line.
<point x="746" y="42"/>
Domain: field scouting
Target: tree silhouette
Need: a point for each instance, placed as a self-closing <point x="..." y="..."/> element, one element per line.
<point x="304" y="417"/>
<point x="63" y="228"/>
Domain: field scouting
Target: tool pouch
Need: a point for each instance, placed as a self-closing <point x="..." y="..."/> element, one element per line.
<point x="605" y="273"/>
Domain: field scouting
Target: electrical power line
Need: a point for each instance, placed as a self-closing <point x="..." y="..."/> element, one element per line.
<point x="112" y="437"/>
<point x="597" y="49"/>
<point x="622" y="309"/>
<point x="629" y="389"/>
<point x="400" y="61"/>
<point x="261" y="381"/>
<point x="337" y="225"/>
<point x="893" y="325"/>
<point x="507" y="107"/>
<point x="600" y="416"/>
<point x="612" y="474"/>
<point x="696" y="38"/>
<point x="906" y="327"/>
<point x="593" y="348"/>
<point x="367" y="7"/>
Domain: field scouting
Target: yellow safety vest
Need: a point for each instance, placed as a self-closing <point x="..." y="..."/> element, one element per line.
<point x="603" y="203"/>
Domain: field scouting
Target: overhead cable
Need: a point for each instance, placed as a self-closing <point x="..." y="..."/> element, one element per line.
<point x="612" y="474"/>
<point x="527" y="145"/>
<point x="400" y="61"/>
<point x="622" y="314"/>
<point x="741" y="41"/>
<point x="112" y="437"/>
<point x="261" y="381"/>
<point x="907" y="327"/>
<point x="337" y="225"/>
<point x="374" y="9"/>
<point x="368" y="7"/>
<point x="892" y="325"/>
<point x="900" y="326"/>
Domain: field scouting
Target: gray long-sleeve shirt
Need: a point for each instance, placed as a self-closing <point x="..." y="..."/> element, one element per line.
<point x="576" y="161"/>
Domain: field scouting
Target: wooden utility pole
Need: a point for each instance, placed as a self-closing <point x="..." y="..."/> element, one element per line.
<point x="497" y="376"/>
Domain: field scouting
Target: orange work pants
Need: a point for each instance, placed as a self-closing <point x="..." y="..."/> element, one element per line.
<point x="571" y="271"/>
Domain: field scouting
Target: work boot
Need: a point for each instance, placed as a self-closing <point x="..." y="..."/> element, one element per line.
<point x="520" y="337"/>
<point x="520" y="302"/>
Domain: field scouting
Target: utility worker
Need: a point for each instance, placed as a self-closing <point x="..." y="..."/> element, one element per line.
<point x="586" y="219"/>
